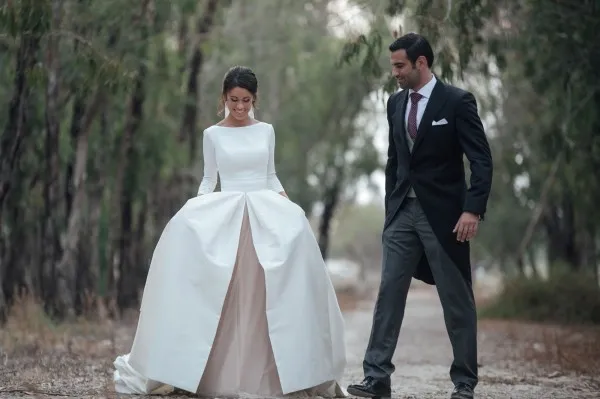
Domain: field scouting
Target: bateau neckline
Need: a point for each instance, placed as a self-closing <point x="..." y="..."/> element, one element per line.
<point x="240" y="127"/>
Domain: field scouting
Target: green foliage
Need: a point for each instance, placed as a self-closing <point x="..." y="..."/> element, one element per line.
<point x="113" y="79"/>
<point x="566" y="297"/>
<point x="371" y="45"/>
<point x="542" y="54"/>
<point x="312" y="100"/>
<point x="25" y="17"/>
<point x="457" y="29"/>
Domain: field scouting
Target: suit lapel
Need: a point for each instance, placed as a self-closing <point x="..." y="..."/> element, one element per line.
<point x="435" y="103"/>
<point x="399" y="119"/>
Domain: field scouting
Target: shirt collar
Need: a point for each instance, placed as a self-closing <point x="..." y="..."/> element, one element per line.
<point x="426" y="90"/>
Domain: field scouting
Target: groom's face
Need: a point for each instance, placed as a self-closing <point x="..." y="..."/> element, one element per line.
<point x="406" y="73"/>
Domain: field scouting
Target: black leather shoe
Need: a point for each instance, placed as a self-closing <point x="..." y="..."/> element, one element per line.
<point x="462" y="391"/>
<point x="371" y="388"/>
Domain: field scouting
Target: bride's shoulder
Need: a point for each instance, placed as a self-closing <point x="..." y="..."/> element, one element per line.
<point x="266" y="126"/>
<point x="261" y="125"/>
<point x="208" y="131"/>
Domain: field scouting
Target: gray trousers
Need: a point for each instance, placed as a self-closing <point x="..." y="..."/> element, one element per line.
<point x="404" y="241"/>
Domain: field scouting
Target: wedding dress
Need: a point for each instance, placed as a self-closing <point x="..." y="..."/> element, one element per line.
<point x="238" y="300"/>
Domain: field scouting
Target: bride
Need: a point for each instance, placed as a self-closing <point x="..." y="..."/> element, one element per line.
<point x="238" y="300"/>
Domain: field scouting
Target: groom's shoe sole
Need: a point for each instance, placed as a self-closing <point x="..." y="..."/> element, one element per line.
<point x="364" y="394"/>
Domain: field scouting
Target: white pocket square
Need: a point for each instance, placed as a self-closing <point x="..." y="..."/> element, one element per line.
<point x="440" y="122"/>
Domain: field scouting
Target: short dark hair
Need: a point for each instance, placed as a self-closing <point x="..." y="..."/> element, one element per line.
<point x="415" y="46"/>
<point x="238" y="76"/>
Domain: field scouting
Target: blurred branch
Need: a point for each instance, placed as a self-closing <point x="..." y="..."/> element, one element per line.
<point x="448" y="10"/>
<point x="540" y="208"/>
<point x="69" y="34"/>
<point x="548" y="183"/>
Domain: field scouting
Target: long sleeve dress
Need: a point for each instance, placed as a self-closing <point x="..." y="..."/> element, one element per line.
<point x="238" y="300"/>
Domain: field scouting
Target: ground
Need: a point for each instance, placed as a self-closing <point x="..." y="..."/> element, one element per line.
<point x="44" y="362"/>
<point x="424" y="354"/>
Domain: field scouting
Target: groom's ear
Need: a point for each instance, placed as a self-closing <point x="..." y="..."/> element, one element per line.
<point x="421" y="61"/>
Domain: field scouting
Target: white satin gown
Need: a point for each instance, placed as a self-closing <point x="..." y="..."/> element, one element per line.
<point x="238" y="300"/>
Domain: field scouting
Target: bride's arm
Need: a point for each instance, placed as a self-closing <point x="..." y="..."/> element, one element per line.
<point x="209" y="180"/>
<point x="272" y="179"/>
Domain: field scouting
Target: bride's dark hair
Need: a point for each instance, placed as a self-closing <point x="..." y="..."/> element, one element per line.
<point x="238" y="76"/>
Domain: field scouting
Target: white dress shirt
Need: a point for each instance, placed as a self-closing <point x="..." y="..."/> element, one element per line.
<point x="425" y="92"/>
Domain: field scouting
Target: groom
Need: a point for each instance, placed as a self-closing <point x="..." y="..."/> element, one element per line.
<point x="430" y="213"/>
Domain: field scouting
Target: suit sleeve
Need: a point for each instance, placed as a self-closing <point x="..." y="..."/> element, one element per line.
<point x="475" y="145"/>
<point x="391" y="166"/>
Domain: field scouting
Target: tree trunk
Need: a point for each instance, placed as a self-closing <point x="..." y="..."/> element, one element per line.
<point x="51" y="220"/>
<point x="66" y="268"/>
<point x="560" y="227"/>
<point x="13" y="278"/>
<point x="182" y="40"/>
<point x="126" y="288"/>
<point x="540" y="209"/>
<point x="532" y="262"/>
<point x="15" y="132"/>
<point x="190" y="110"/>
<point x="126" y="293"/>
<point x="17" y="128"/>
<point x="588" y="245"/>
<point x="76" y="120"/>
<point x="330" y="202"/>
<point x="520" y="264"/>
<point x="138" y="254"/>
<point x="95" y="270"/>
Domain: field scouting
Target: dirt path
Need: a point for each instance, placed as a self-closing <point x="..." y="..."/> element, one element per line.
<point x="424" y="354"/>
<point x="51" y="363"/>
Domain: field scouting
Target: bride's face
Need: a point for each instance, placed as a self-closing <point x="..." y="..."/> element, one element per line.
<point x="239" y="102"/>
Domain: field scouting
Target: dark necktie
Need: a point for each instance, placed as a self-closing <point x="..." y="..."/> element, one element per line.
<point x="412" y="114"/>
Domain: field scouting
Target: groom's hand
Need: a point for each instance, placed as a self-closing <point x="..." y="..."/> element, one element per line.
<point x="466" y="228"/>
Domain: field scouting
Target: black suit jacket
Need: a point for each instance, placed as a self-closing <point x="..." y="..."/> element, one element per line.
<point x="435" y="169"/>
